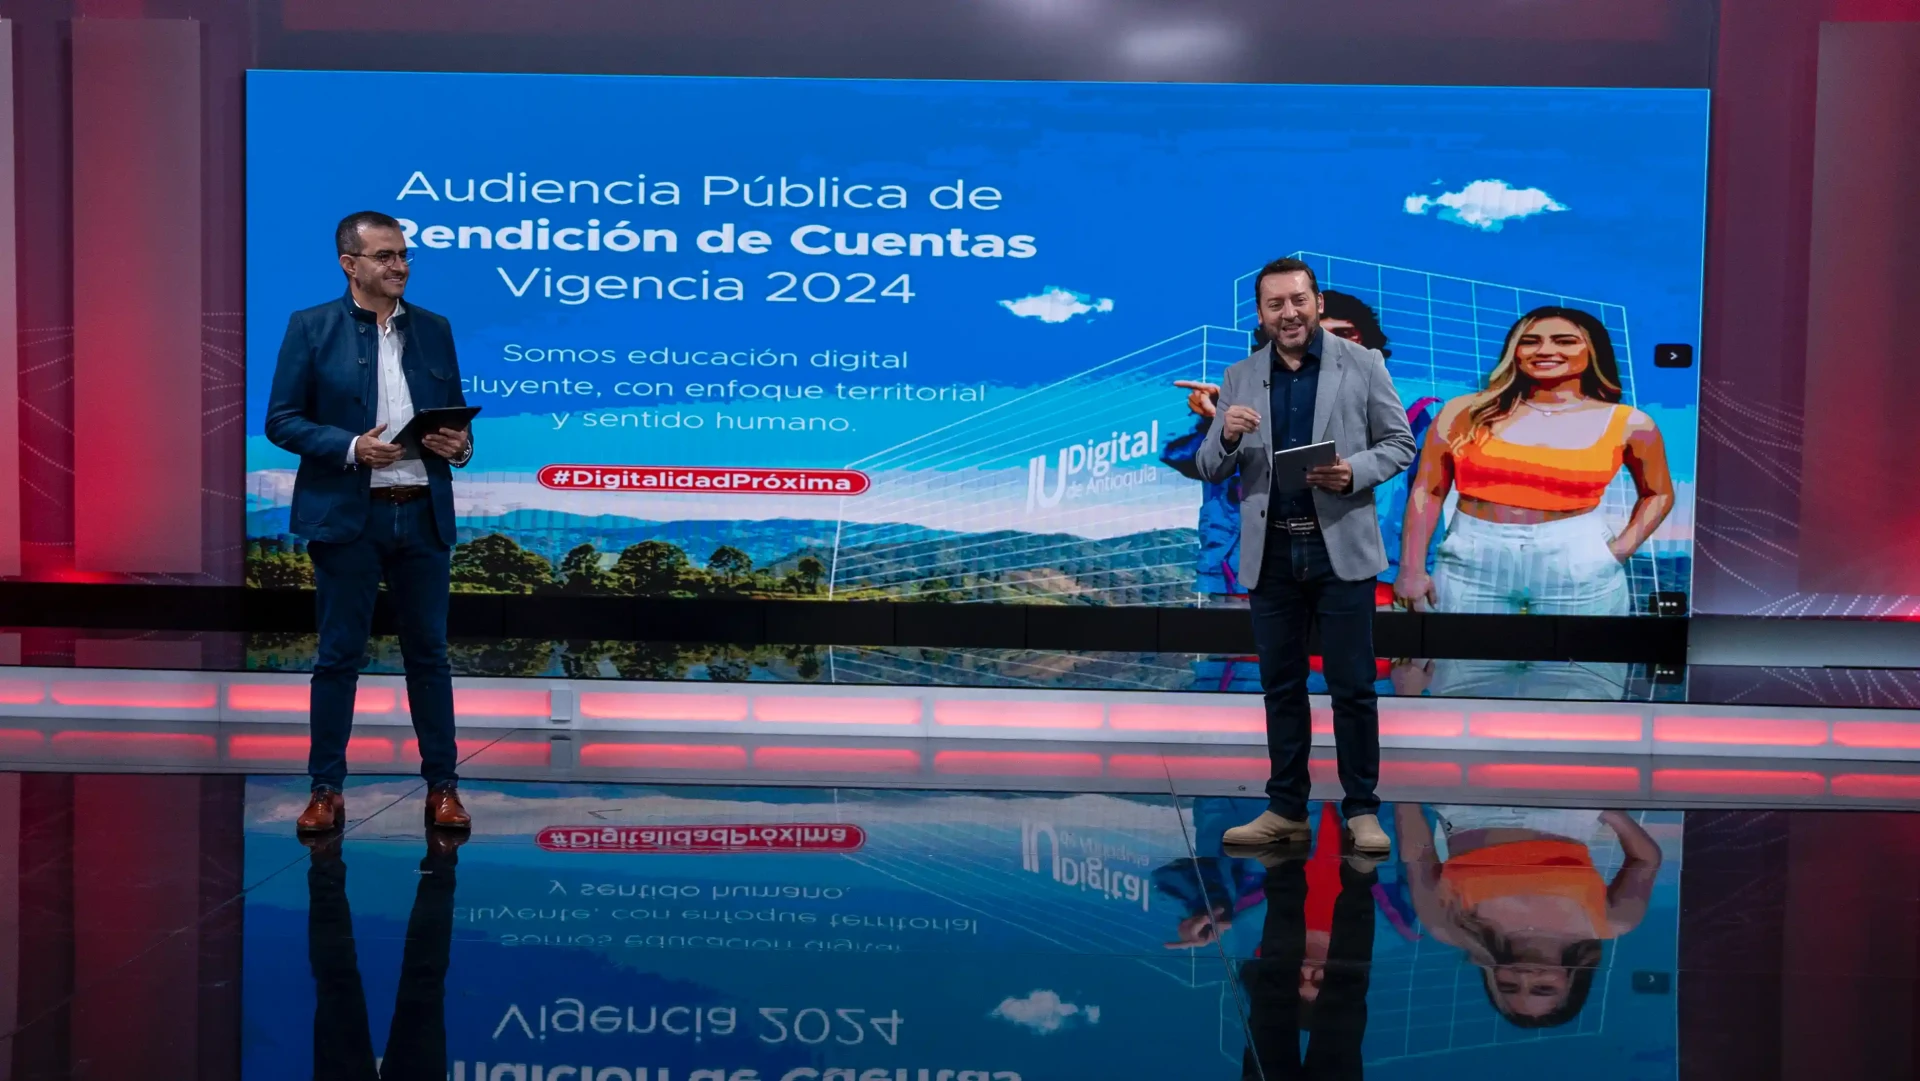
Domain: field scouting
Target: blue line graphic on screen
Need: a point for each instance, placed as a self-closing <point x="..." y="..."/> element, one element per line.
<point x="984" y="476"/>
<point x="1034" y="264"/>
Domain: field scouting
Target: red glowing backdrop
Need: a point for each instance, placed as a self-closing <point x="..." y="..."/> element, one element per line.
<point x="127" y="420"/>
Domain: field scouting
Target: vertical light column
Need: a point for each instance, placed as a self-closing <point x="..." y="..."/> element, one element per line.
<point x="9" y="916"/>
<point x="137" y="239"/>
<point x="137" y="917"/>
<point x="1859" y="491"/>
<point x="9" y="326"/>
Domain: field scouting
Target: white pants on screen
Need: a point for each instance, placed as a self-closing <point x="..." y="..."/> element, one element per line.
<point x="1558" y="568"/>
<point x="1567" y="681"/>
<point x="1567" y="823"/>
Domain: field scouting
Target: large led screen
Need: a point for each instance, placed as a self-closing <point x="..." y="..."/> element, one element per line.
<point x="918" y="339"/>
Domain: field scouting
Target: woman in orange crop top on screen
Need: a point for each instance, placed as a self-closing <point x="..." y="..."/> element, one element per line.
<point x="1531" y="456"/>
<point x="1517" y="890"/>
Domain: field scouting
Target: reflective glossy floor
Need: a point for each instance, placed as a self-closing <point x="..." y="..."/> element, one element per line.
<point x="173" y="926"/>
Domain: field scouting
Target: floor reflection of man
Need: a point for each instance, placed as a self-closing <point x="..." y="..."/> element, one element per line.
<point x="417" y="1038"/>
<point x="1313" y="967"/>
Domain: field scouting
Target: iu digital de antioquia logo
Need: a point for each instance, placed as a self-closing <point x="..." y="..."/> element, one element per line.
<point x="710" y="480"/>
<point x="1106" y="466"/>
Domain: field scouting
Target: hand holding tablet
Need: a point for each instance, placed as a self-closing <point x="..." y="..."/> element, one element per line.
<point x="1292" y="466"/>
<point x="427" y="421"/>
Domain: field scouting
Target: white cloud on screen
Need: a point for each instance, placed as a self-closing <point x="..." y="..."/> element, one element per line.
<point x="1486" y="205"/>
<point x="1043" y="1012"/>
<point x="1056" y="305"/>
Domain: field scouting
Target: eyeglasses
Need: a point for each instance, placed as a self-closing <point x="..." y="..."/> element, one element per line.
<point x="386" y="258"/>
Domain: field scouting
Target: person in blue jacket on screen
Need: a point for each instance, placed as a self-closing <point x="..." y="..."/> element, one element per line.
<point x="1348" y="317"/>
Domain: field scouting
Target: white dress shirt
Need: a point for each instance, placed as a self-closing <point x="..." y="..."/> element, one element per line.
<point x="395" y="406"/>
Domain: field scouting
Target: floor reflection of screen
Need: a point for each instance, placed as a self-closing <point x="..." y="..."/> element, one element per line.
<point x="638" y="933"/>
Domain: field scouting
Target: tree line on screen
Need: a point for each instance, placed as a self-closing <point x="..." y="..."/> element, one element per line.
<point x="497" y="564"/>
<point x="1144" y="568"/>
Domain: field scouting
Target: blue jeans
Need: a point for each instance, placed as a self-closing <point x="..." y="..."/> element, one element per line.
<point x="1298" y="586"/>
<point x="400" y="545"/>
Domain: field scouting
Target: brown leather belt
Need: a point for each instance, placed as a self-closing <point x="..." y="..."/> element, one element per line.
<point x="400" y="493"/>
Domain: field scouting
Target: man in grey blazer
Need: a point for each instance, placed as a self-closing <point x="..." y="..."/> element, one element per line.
<point x="1312" y="554"/>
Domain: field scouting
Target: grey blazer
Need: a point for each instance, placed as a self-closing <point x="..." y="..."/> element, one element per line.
<point x="1356" y="406"/>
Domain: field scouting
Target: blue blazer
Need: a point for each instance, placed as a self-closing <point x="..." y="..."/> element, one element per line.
<point x="324" y="397"/>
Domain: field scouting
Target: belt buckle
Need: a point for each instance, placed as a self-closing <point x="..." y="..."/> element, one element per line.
<point x="1301" y="527"/>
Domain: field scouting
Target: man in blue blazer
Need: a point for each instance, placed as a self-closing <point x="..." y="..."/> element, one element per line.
<point x="351" y="371"/>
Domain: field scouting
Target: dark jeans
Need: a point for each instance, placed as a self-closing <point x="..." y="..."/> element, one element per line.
<point x="417" y="1038"/>
<point x="401" y="546"/>
<point x="1337" y="1018"/>
<point x="1298" y="586"/>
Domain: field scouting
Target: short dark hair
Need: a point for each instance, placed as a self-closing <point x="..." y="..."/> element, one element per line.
<point x="1288" y="265"/>
<point x="1338" y="305"/>
<point x="346" y="235"/>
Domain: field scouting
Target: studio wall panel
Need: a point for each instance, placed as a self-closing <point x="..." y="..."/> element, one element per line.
<point x="1803" y="431"/>
<point x="137" y="319"/>
<point x="9" y="325"/>
<point x="136" y="900"/>
<point x="9" y="918"/>
<point x="1860" y="497"/>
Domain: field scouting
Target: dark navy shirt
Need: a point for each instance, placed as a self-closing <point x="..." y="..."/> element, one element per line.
<point x="1291" y="404"/>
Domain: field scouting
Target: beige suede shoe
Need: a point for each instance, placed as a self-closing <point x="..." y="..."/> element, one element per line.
<point x="1269" y="829"/>
<point x="1367" y="835"/>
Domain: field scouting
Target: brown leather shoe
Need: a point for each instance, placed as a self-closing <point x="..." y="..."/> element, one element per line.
<point x="445" y="810"/>
<point x="326" y="811"/>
